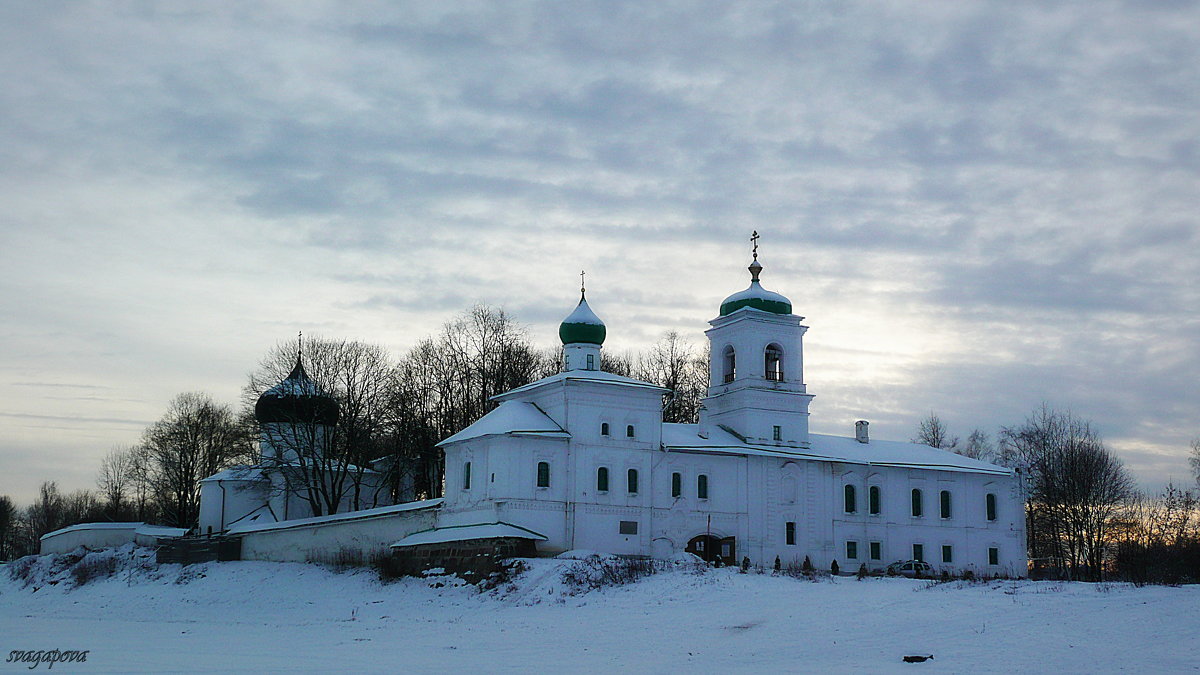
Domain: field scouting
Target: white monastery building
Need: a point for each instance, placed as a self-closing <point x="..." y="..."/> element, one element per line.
<point x="583" y="460"/>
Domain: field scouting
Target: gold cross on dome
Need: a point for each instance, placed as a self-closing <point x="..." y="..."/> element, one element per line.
<point x="754" y="240"/>
<point x="582" y="285"/>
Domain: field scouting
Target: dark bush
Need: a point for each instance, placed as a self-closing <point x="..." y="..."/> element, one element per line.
<point x="833" y="568"/>
<point x="862" y="572"/>
<point x="807" y="566"/>
<point x="93" y="567"/>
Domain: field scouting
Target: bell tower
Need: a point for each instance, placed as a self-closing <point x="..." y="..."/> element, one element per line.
<point x="756" y="384"/>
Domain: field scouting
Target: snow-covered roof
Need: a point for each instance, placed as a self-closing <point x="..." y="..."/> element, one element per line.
<point x="511" y="417"/>
<point x="160" y="531"/>
<point x="821" y="447"/>
<point x="597" y="376"/>
<point x="583" y="314"/>
<point x="441" y="535"/>
<point x="349" y="515"/>
<point x="92" y="526"/>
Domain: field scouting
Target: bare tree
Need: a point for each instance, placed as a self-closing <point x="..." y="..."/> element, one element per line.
<point x="447" y="381"/>
<point x="1194" y="460"/>
<point x="978" y="446"/>
<point x="47" y="513"/>
<point x="674" y="363"/>
<point x="115" y="480"/>
<point x="8" y="528"/>
<point x="196" y="438"/>
<point x="1076" y="488"/>
<point x="933" y="432"/>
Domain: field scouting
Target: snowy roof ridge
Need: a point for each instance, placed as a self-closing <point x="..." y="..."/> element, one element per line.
<point x="511" y="417"/>
<point x="447" y="533"/>
<point x="349" y="515"/>
<point x="92" y="526"/>
<point x="826" y="448"/>
<point x="596" y="376"/>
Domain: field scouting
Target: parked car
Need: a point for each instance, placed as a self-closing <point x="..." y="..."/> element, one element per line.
<point x="910" y="568"/>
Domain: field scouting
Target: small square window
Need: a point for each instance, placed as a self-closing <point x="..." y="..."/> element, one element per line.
<point x="629" y="527"/>
<point x="629" y="431"/>
<point x="604" y="428"/>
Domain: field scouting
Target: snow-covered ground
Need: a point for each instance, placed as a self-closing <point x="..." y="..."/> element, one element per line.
<point x="270" y="617"/>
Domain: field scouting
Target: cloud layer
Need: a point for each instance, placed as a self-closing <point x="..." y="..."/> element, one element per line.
<point x="979" y="207"/>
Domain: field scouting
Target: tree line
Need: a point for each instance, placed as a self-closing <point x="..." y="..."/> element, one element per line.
<point x="1084" y="516"/>
<point x="392" y="413"/>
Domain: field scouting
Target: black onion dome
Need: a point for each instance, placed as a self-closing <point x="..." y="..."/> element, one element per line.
<point x="296" y="400"/>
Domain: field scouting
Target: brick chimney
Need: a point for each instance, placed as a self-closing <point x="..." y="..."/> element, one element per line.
<point x="860" y="431"/>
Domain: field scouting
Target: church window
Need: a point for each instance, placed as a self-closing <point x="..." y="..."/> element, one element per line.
<point x="777" y="432"/>
<point x="873" y="499"/>
<point x="602" y="479"/>
<point x="876" y="550"/>
<point x="730" y="364"/>
<point x="945" y="503"/>
<point x="917" y="503"/>
<point x="466" y="483"/>
<point x="629" y="431"/>
<point x="852" y="550"/>
<point x="631" y="481"/>
<point x="676" y="485"/>
<point x="919" y="552"/>
<point x="993" y="556"/>
<point x="789" y="533"/>
<point x="591" y="361"/>
<point x="774" y="363"/>
<point x="991" y="506"/>
<point x="851" y="502"/>
<point x="947" y="554"/>
<point x="628" y="527"/>
<point x="702" y="486"/>
<point x="543" y="474"/>
<point x="604" y="428"/>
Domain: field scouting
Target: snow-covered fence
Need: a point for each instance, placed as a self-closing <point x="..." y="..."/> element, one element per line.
<point x="367" y="532"/>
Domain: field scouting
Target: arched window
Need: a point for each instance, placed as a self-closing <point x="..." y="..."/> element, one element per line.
<point x="676" y="485"/>
<point x="730" y="364"/>
<point x="774" y="363"/>
<point x="466" y="483"/>
<point x="543" y="474"/>
<point x="631" y="481"/>
<point x="629" y="431"/>
<point x="991" y="506"/>
<point x="602" y="479"/>
<point x="873" y="499"/>
<point x="917" y="504"/>
<point x="604" y="428"/>
<point x="851" y="502"/>
<point x="702" y="486"/>
<point x="788" y="489"/>
<point x="945" y="503"/>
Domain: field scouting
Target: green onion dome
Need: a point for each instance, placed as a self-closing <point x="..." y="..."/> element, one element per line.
<point x="756" y="297"/>
<point x="582" y="326"/>
<point x="296" y="400"/>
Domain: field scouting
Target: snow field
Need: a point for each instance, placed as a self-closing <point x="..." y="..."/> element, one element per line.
<point x="274" y="617"/>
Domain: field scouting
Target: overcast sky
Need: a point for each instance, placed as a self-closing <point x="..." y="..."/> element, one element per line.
<point x="977" y="207"/>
